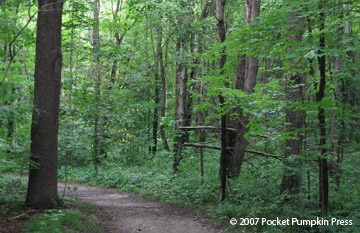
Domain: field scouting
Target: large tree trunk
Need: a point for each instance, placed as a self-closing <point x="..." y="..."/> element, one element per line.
<point x="245" y="80"/>
<point x="42" y="187"/>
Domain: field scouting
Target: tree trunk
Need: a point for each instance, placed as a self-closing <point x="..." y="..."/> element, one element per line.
<point x="200" y="86"/>
<point x="157" y="94"/>
<point x="293" y="147"/>
<point x="42" y="186"/>
<point x="11" y="120"/>
<point x="118" y="41"/>
<point x="181" y="93"/>
<point x="245" y="80"/>
<point x="220" y="11"/>
<point x="337" y="130"/>
<point x="201" y="91"/>
<point x="163" y="89"/>
<point x="96" y="75"/>
<point x="11" y="123"/>
<point x="148" y="73"/>
<point x="323" y="167"/>
<point x="295" y="119"/>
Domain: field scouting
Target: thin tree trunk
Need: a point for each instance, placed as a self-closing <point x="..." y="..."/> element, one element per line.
<point x="68" y="152"/>
<point x="200" y="121"/>
<point x="148" y="88"/>
<point x="323" y="167"/>
<point x="163" y="89"/>
<point x="336" y="136"/>
<point x="5" y="52"/>
<point x="181" y="93"/>
<point x="157" y="94"/>
<point x="220" y="11"/>
<point x="119" y="38"/>
<point x="96" y="76"/>
<point x="8" y="102"/>
<point x="11" y="123"/>
<point x="200" y="86"/>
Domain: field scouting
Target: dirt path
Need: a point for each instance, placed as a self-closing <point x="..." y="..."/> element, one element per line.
<point x="131" y="213"/>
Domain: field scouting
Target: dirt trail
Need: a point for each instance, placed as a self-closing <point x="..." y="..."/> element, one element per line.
<point x="131" y="213"/>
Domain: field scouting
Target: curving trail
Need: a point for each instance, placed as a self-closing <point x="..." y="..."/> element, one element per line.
<point x="131" y="213"/>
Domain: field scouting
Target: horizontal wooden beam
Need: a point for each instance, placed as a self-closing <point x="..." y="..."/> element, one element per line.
<point x="265" y="154"/>
<point x="231" y="148"/>
<point x="203" y="127"/>
<point x="215" y="127"/>
<point x="202" y="146"/>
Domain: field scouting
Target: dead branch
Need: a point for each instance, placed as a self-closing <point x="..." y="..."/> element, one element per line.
<point x="13" y="53"/>
<point x="231" y="148"/>
<point x="23" y="214"/>
<point x="264" y="154"/>
<point x="202" y="146"/>
<point x="203" y="127"/>
<point x="262" y="136"/>
<point x="215" y="127"/>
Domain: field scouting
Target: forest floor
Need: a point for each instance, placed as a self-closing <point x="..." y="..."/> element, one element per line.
<point x="130" y="213"/>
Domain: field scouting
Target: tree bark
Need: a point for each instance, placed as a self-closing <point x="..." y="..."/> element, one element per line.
<point x="295" y="119"/>
<point x="220" y="11"/>
<point x="246" y="75"/>
<point x="181" y="93"/>
<point x="42" y="186"/>
<point x="11" y="120"/>
<point x="118" y="41"/>
<point x="163" y="89"/>
<point x="323" y="167"/>
<point x="157" y="95"/>
<point x="11" y="123"/>
<point x="337" y="130"/>
<point x="96" y="75"/>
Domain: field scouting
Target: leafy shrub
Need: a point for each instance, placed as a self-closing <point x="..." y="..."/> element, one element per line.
<point x="59" y="221"/>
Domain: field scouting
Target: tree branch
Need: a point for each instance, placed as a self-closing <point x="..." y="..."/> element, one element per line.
<point x="231" y="148"/>
<point x="13" y="54"/>
<point x="203" y="127"/>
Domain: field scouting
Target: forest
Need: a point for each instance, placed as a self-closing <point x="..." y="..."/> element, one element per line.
<point x="244" y="111"/>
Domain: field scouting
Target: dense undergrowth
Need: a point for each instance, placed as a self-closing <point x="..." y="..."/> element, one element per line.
<point x="255" y="194"/>
<point x="59" y="221"/>
<point x="71" y="217"/>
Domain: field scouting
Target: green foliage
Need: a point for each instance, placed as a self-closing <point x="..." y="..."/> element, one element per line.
<point x="125" y="106"/>
<point x="69" y="221"/>
<point x="12" y="195"/>
<point x="75" y="217"/>
<point x="254" y="194"/>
